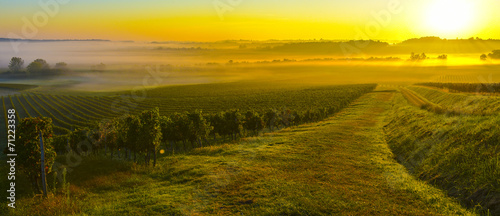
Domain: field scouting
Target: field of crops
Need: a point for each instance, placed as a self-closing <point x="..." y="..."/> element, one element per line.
<point x="461" y="103"/>
<point x="466" y="87"/>
<point x="69" y="112"/>
<point x="417" y="100"/>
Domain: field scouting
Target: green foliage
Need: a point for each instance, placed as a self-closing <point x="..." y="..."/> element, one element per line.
<point x="180" y="125"/>
<point x="130" y="127"/>
<point x="217" y="121"/>
<point x="150" y="133"/>
<point x="61" y="67"/>
<point x="16" y="64"/>
<point x="271" y="118"/>
<point x="60" y="143"/>
<point x="253" y="122"/>
<point x="199" y="127"/>
<point x="108" y="134"/>
<point x="28" y="147"/>
<point x="233" y="123"/>
<point x="76" y="137"/>
<point x="38" y="66"/>
<point x="167" y="129"/>
<point x="151" y="128"/>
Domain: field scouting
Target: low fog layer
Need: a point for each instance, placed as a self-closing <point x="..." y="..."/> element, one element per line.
<point x="189" y="53"/>
<point x="115" y="66"/>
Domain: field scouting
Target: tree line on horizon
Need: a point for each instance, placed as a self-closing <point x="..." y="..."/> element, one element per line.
<point x="37" y="67"/>
<point x="495" y="54"/>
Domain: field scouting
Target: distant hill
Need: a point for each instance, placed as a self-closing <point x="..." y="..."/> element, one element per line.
<point x="48" y="40"/>
<point x="438" y="45"/>
<point x="417" y="45"/>
<point x="330" y="47"/>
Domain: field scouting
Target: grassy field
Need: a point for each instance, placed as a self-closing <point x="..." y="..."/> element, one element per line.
<point x="417" y="100"/>
<point x="394" y="151"/>
<point x="459" y="153"/>
<point x="338" y="166"/>
<point x="461" y="103"/>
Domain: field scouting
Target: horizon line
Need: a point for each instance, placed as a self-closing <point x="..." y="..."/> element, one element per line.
<point x="2" y="39"/>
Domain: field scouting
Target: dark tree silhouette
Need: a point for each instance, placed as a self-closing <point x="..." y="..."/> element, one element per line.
<point x="483" y="57"/>
<point x="418" y="57"/>
<point x="423" y="56"/>
<point x="495" y="54"/>
<point x="38" y="66"/>
<point x="61" y="67"/>
<point x="16" y="64"/>
<point x="443" y="57"/>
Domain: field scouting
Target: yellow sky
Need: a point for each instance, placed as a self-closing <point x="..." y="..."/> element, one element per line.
<point x="195" y="20"/>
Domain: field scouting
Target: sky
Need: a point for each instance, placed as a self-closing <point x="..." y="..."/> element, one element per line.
<point x="213" y="20"/>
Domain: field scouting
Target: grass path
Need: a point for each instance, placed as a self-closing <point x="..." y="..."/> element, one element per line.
<point x="340" y="166"/>
<point x="419" y="101"/>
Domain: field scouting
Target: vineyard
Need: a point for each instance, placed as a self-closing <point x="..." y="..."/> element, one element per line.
<point x="466" y="87"/>
<point x="459" y="103"/>
<point x="418" y="101"/>
<point x="169" y="124"/>
<point x="306" y="103"/>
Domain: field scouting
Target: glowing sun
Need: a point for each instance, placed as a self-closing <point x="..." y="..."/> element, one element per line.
<point x="450" y="16"/>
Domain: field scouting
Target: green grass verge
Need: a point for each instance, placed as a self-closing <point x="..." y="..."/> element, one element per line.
<point x="460" y="154"/>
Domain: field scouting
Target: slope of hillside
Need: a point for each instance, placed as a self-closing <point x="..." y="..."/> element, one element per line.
<point x="338" y="166"/>
<point x="460" y="103"/>
<point x="458" y="153"/>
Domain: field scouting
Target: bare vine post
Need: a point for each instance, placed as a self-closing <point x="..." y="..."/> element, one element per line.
<point x="44" y="180"/>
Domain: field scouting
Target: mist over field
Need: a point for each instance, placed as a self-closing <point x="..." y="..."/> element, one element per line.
<point x="126" y="64"/>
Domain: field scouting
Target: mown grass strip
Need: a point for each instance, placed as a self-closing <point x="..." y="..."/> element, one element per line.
<point x="421" y="102"/>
